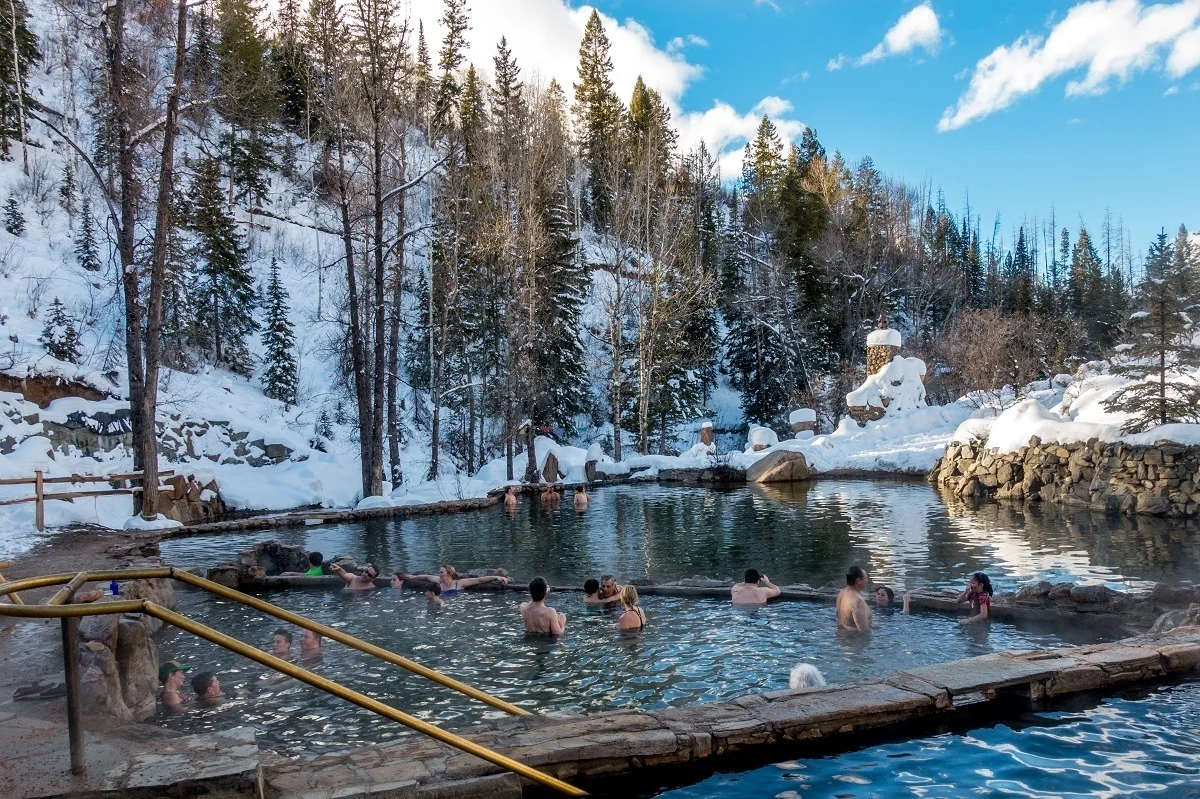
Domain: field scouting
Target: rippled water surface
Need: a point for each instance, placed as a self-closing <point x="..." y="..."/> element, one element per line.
<point x="1143" y="747"/>
<point x="903" y="532"/>
<point x="693" y="650"/>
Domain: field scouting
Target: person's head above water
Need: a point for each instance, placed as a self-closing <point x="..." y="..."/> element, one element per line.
<point x="314" y="560"/>
<point x="854" y="575"/>
<point x="883" y="595"/>
<point x="982" y="583"/>
<point x="397" y="579"/>
<point x="591" y="586"/>
<point x="370" y="572"/>
<point x="206" y="686"/>
<point x="434" y="589"/>
<point x="447" y="572"/>
<point x="752" y="577"/>
<point x="538" y="589"/>
<point x="629" y="595"/>
<point x="281" y="641"/>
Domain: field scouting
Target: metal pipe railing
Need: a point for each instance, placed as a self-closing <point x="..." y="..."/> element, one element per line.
<point x="59" y="607"/>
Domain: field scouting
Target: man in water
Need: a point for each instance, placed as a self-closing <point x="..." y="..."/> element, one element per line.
<point x="207" y="688"/>
<point x="608" y="589"/>
<point x="433" y="595"/>
<point x="755" y="589"/>
<point x="538" y="616"/>
<point x="591" y="593"/>
<point x="510" y="498"/>
<point x="355" y="582"/>
<point x="852" y="610"/>
<point x="310" y="645"/>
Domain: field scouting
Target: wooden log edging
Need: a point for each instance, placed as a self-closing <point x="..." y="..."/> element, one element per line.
<point x="583" y="748"/>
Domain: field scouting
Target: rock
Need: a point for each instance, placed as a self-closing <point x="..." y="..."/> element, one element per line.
<point x="1177" y="618"/>
<point x="137" y="666"/>
<point x="1060" y="591"/>
<point x="225" y="574"/>
<point x="550" y="471"/>
<point x="100" y="683"/>
<point x="1152" y="505"/>
<point x="1090" y="593"/>
<point x="160" y="592"/>
<point x="589" y="471"/>
<point x="1037" y="592"/>
<point x="100" y="629"/>
<point x="779" y="466"/>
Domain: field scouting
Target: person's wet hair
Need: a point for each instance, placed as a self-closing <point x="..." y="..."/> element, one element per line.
<point x="608" y="578"/>
<point x="434" y="588"/>
<point x="538" y="588"/>
<point x="284" y="634"/>
<point x="591" y="585"/>
<point x="201" y="682"/>
<point x="983" y="580"/>
<point x="855" y="574"/>
<point x="373" y="572"/>
<point x="315" y="559"/>
<point x="752" y="576"/>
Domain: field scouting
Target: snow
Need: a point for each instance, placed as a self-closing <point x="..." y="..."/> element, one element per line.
<point x="760" y="437"/>
<point x="802" y="416"/>
<point x="901" y="382"/>
<point x="160" y="522"/>
<point x="884" y="338"/>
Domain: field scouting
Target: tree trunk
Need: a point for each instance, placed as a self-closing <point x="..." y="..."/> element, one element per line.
<point x="158" y="262"/>
<point x="396" y="474"/>
<point x="379" y="376"/>
<point x="357" y="353"/>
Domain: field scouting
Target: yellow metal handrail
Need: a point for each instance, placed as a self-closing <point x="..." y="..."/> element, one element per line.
<point x="58" y="607"/>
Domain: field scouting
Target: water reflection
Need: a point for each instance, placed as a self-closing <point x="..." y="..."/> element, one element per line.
<point x="904" y="533"/>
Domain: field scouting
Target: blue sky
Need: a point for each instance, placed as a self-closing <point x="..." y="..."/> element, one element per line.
<point x="1079" y="106"/>
<point x="1130" y="149"/>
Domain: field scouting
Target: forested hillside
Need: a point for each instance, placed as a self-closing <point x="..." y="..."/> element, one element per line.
<point x="430" y="262"/>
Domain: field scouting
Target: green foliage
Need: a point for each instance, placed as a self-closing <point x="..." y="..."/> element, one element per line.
<point x="224" y="287"/>
<point x="597" y="117"/>
<point x="60" y="336"/>
<point x="279" y="341"/>
<point x="87" y="253"/>
<point x="450" y="58"/>
<point x="14" y="217"/>
<point x="13" y="93"/>
<point x="1161" y="351"/>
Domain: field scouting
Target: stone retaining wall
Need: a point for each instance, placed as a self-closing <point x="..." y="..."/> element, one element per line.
<point x="584" y="749"/>
<point x="1160" y="480"/>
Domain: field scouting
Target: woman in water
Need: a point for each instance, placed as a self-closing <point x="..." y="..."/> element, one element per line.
<point x="451" y="583"/>
<point x="979" y="596"/>
<point x="634" y="618"/>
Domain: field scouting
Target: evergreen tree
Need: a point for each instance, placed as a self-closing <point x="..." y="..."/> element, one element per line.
<point x="66" y="190"/>
<point x="1019" y="295"/>
<point x="14" y="218"/>
<point x="14" y="73"/>
<point x="60" y="337"/>
<point x="224" y="286"/>
<point x="87" y="253"/>
<point x="450" y="58"/>
<point x="279" y="377"/>
<point x="1161" y="352"/>
<point x="422" y="73"/>
<point x="246" y="98"/>
<point x="1187" y="262"/>
<point x="597" y="117"/>
<point x="293" y="69"/>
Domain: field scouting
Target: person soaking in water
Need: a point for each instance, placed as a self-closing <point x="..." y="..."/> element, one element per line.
<point x="539" y="617"/>
<point x="979" y="596"/>
<point x="451" y="583"/>
<point x="634" y="618"/>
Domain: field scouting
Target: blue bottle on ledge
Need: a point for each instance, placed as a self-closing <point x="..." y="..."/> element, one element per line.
<point x="114" y="587"/>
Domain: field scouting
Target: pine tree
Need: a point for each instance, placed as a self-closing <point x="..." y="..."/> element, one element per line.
<point x="422" y="73"/>
<point x="279" y="377"/>
<point x="224" y="286"/>
<point x="293" y="69"/>
<point x="66" y="190"/>
<point x="598" y="116"/>
<point x="14" y="218"/>
<point x="450" y="58"/>
<point x="247" y="96"/>
<point x="324" y="427"/>
<point x="1187" y="262"/>
<point x="13" y="90"/>
<point x="1161" y="351"/>
<point x="87" y="253"/>
<point x="60" y="337"/>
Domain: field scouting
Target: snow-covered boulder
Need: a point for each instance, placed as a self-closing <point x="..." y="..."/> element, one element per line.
<point x="803" y="420"/>
<point x="760" y="438"/>
<point x="899" y="386"/>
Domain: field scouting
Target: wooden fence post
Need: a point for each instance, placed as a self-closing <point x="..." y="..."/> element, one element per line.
<point x="40" y="501"/>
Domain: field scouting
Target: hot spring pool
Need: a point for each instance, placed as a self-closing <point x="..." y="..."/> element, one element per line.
<point x="694" y="650"/>
<point x="1138" y="746"/>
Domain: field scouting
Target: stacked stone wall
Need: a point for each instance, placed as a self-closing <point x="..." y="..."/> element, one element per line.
<point x="1159" y="480"/>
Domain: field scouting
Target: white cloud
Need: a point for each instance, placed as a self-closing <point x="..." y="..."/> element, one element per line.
<point x="834" y="64"/>
<point x="544" y="37"/>
<point x="1170" y="91"/>
<point x="680" y="42"/>
<point x="723" y="130"/>
<point x="1112" y="39"/>
<point x="918" y="28"/>
<point x="771" y="4"/>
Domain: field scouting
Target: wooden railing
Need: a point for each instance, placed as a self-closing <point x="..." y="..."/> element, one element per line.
<point x="39" y="483"/>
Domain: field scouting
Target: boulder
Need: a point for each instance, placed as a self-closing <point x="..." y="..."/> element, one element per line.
<point x="550" y="471"/>
<point x="1087" y="594"/>
<point x="779" y="466"/>
<point x="100" y="683"/>
<point x="1060" y="591"/>
<point x="137" y="666"/>
<point x="761" y="438"/>
<point x="1177" y="618"/>
<point x="1036" y="592"/>
<point x="274" y="557"/>
<point x="160" y="592"/>
<point x="225" y="574"/>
